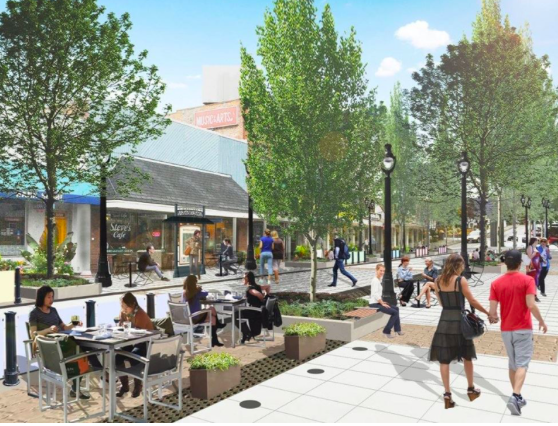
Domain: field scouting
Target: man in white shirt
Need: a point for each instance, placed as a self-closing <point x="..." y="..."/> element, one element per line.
<point x="377" y="303"/>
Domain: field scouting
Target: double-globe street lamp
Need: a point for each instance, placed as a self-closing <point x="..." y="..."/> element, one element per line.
<point x="526" y="202"/>
<point x="546" y="205"/>
<point x="371" y="206"/>
<point x="388" y="165"/>
<point x="103" y="273"/>
<point x="464" y="166"/>
<point x="250" y="259"/>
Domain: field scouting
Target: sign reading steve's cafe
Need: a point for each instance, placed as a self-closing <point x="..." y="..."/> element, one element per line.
<point x="220" y="117"/>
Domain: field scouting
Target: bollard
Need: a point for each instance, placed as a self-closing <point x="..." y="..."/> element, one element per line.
<point x="90" y="313"/>
<point x="151" y="305"/>
<point x="17" y="285"/>
<point x="130" y="284"/>
<point x="11" y="377"/>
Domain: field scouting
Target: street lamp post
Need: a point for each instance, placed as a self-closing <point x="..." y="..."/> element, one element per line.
<point x="250" y="259"/>
<point x="464" y="165"/>
<point x="103" y="273"/>
<point x="388" y="165"/>
<point x="371" y="205"/>
<point x="546" y="205"/>
<point x="526" y="202"/>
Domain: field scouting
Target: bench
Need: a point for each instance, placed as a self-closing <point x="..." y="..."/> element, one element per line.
<point x="360" y="313"/>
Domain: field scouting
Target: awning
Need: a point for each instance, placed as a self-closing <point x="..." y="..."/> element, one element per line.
<point x="188" y="219"/>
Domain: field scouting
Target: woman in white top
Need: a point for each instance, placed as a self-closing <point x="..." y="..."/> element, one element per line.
<point x="377" y="303"/>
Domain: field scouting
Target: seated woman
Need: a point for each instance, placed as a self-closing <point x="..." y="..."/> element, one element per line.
<point x="405" y="281"/>
<point x="133" y="313"/>
<point x="430" y="274"/>
<point x="255" y="299"/>
<point x="193" y="295"/>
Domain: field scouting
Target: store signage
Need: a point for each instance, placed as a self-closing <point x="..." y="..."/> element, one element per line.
<point x="214" y="118"/>
<point x="190" y="211"/>
<point x="156" y="234"/>
<point x="120" y="231"/>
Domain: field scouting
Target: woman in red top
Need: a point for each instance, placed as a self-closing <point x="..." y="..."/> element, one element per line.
<point x="534" y="267"/>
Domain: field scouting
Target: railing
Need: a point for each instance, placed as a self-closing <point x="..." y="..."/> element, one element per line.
<point x="442" y="249"/>
<point x="421" y="252"/>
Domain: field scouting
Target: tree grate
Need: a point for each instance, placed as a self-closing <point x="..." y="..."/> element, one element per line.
<point x="251" y="375"/>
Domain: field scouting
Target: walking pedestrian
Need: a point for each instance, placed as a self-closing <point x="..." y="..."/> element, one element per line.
<point x="515" y="293"/>
<point x="405" y="281"/>
<point x="534" y="266"/>
<point x="340" y="256"/>
<point x="193" y="251"/>
<point x="266" y="256"/>
<point x="377" y="302"/>
<point x="544" y="250"/>
<point x="278" y="251"/>
<point x="448" y="343"/>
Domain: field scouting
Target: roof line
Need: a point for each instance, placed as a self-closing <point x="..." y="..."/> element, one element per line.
<point x="208" y="131"/>
<point x="150" y="160"/>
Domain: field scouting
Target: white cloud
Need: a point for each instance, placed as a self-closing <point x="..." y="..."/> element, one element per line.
<point x="193" y="77"/>
<point x="389" y="66"/>
<point x="174" y="85"/>
<point x="416" y="68"/>
<point x="420" y="35"/>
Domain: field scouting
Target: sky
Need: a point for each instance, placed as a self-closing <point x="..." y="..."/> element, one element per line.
<point x="182" y="36"/>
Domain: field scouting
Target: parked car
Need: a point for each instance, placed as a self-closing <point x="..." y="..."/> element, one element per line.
<point x="474" y="237"/>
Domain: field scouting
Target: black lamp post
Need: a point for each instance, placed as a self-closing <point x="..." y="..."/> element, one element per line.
<point x="371" y="205"/>
<point x="526" y="202"/>
<point x="250" y="259"/>
<point x="103" y="273"/>
<point x="388" y="165"/>
<point x="546" y="205"/>
<point x="464" y="165"/>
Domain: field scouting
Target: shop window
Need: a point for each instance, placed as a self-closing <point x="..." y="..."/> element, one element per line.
<point x="12" y="223"/>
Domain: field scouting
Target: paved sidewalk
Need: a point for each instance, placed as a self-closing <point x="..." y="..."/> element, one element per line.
<point x="371" y="382"/>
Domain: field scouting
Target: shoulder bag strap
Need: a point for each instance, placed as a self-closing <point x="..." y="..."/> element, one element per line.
<point x="460" y="296"/>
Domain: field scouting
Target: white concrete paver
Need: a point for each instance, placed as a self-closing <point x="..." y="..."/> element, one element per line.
<point x="394" y="388"/>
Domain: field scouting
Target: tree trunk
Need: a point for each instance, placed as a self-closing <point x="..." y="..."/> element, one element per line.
<point x="404" y="245"/>
<point x="514" y="221"/>
<point x="50" y="235"/>
<point x="313" y="271"/>
<point x="501" y="242"/>
<point x="483" y="203"/>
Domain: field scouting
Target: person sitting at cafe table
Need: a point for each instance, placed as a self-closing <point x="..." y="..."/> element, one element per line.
<point x="405" y="281"/>
<point x="133" y="313"/>
<point x="227" y="257"/>
<point x="193" y="295"/>
<point x="430" y="274"/>
<point x="146" y="263"/>
<point x="44" y="319"/>
<point x="255" y="298"/>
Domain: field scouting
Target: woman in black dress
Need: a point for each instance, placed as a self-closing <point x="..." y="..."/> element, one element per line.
<point x="449" y="344"/>
<point x="255" y="298"/>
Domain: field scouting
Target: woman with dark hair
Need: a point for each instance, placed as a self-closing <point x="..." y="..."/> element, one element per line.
<point x="534" y="267"/>
<point x="449" y="344"/>
<point x="255" y="299"/>
<point x="133" y="313"/>
<point x="193" y="295"/>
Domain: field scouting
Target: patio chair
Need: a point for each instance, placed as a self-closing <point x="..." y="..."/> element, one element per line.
<point x="221" y="309"/>
<point x="183" y="323"/>
<point x="175" y="297"/>
<point x="53" y="369"/>
<point x="143" y="277"/>
<point x="162" y="366"/>
<point x="31" y="357"/>
<point x="269" y="305"/>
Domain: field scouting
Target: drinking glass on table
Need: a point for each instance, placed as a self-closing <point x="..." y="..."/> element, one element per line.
<point x="116" y="320"/>
<point x="127" y="326"/>
<point x="75" y="320"/>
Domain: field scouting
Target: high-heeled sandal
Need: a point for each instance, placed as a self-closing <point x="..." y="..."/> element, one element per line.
<point x="448" y="401"/>
<point x="473" y="393"/>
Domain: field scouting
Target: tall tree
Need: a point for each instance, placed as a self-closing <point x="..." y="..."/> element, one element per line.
<point x="491" y="97"/>
<point x="307" y="115"/>
<point x="71" y="91"/>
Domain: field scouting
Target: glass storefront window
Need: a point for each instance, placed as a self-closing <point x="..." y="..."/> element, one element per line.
<point x="12" y="223"/>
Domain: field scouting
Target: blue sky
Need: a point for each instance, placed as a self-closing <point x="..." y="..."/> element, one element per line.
<point x="184" y="35"/>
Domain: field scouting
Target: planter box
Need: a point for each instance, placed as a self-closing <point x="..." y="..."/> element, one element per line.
<point x="7" y="287"/>
<point x="301" y="347"/>
<point x="395" y="254"/>
<point x="344" y="331"/>
<point x="355" y="257"/>
<point x="60" y="293"/>
<point x="308" y="264"/>
<point x="207" y="384"/>
<point x="500" y="269"/>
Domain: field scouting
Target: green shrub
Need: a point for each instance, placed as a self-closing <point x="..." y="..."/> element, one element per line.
<point x="63" y="254"/>
<point x="302" y="252"/>
<point x="38" y="280"/>
<point x="306" y="329"/>
<point x="353" y="247"/>
<point x="10" y="265"/>
<point x="214" y="361"/>
<point x="330" y="309"/>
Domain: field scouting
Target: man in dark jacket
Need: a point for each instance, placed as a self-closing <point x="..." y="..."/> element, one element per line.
<point x="339" y="254"/>
<point x="228" y="258"/>
<point x="147" y="264"/>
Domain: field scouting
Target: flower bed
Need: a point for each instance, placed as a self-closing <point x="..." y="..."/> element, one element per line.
<point x="330" y="309"/>
<point x="64" y="286"/>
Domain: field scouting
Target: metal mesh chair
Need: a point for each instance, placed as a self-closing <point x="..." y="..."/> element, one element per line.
<point x="184" y="323"/>
<point x="53" y="369"/>
<point x="267" y="337"/>
<point x="175" y="297"/>
<point x="160" y="368"/>
<point x="31" y="357"/>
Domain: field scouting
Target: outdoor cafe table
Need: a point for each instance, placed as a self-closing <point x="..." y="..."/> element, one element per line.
<point x="226" y="302"/>
<point x="118" y="341"/>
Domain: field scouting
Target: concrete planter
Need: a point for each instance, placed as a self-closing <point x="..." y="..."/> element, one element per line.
<point x="60" y="293"/>
<point x="7" y="284"/>
<point x="207" y="384"/>
<point x="500" y="269"/>
<point x="301" y="347"/>
<point x="344" y="331"/>
<point x="308" y="264"/>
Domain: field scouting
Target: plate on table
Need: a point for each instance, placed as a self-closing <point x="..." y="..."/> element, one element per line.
<point x="138" y="331"/>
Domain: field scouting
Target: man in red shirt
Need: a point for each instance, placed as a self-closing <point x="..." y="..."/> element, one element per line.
<point x="515" y="292"/>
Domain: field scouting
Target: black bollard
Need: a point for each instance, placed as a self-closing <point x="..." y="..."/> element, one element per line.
<point x="151" y="305"/>
<point x="17" y="285"/>
<point x="130" y="284"/>
<point x="11" y="377"/>
<point x="90" y="313"/>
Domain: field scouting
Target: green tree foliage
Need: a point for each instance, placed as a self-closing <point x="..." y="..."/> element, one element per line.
<point x="491" y="97"/>
<point x="71" y="91"/>
<point x="307" y="111"/>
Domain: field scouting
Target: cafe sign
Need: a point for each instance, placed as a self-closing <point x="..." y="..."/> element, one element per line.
<point x="215" y="118"/>
<point x="190" y="211"/>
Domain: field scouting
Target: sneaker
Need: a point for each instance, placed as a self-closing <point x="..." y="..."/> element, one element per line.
<point x="543" y="294"/>
<point x="514" y="406"/>
<point x="537" y="299"/>
<point x="165" y="279"/>
<point x="332" y="285"/>
<point x="354" y="283"/>
<point x="388" y="335"/>
<point x="522" y="402"/>
<point x="400" y="333"/>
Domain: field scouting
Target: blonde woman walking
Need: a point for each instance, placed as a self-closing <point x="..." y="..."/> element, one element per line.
<point x="278" y="251"/>
<point x="449" y="344"/>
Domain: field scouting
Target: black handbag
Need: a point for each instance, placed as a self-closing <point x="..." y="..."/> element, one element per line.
<point x="471" y="324"/>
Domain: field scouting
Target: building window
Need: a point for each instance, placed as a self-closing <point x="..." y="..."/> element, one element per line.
<point x="12" y="223"/>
